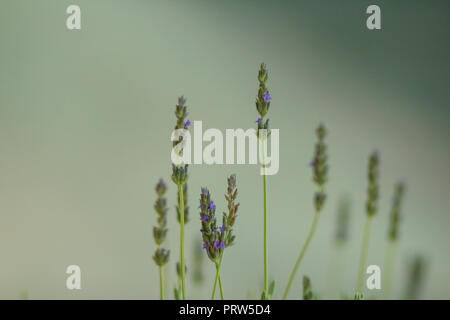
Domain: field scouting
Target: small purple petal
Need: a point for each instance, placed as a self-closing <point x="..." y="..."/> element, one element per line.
<point x="267" y="97"/>
<point x="223" y="228"/>
<point x="212" y="206"/>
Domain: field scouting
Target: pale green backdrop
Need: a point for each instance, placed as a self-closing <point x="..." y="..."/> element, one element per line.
<point x="86" y="116"/>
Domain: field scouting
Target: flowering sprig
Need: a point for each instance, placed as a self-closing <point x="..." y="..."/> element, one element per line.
<point x="395" y="217"/>
<point x="394" y="220"/>
<point x="320" y="168"/>
<point x="226" y="229"/>
<point x="213" y="237"/>
<point x="185" y="202"/>
<point x="179" y="177"/>
<point x="230" y="218"/>
<point x="320" y="177"/>
<point x="371" y="210"/>
<point x="263" y="100"/>
<point x="161" y="256"/>
<point x="373" y="188"/>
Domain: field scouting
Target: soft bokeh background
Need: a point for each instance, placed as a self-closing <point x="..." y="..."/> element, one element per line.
<point x="86" y="116"/>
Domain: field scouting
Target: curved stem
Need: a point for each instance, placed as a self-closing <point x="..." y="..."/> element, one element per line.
<point x="364" y="253"/>
<point x="161" y="283"/>
<point x="312" y="230"/>
<point x="266" y="282"/>
<point x="183" y="276"/>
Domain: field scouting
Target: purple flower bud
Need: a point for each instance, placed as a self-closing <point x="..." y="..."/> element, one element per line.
<point x="259" y="121"/>
<point x="219" y="244"/>
<point x="223" y="228"/>
<point x="187" y="124"/>
<point x="205" y="218"/>
<point x="267" y="97"/>
<point x="163" y="250"/>
<point x="205" y="245"/>
<point x="212" y="206"/>
<point x="201" y="230"/>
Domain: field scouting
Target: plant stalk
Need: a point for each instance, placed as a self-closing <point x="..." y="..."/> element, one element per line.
<point x="266" y="281"/>
<point x="183" y="275"/>
<point x="312" y="230"/>
<point x="364" y="254"/>
<point x="161" y="283"/>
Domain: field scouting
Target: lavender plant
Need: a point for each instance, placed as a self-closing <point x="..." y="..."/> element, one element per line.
<point x="213" y="237"/>
<point x="371" y="210"/>
<point x="262" y="106"/>
<point x="179" y="177"/>
<point x="161" y="256"/>
<point x="320" y="174"/>
<point x="394" y="220"/>
<point x="228" y="221"/>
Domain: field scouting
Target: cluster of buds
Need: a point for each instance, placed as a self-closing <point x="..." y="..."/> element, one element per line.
<point x="320" y="167"/>
<point x="185" y="201"/>
<point x="180" y="172"/>
<point x="395" y="211"/>
<point x="373" y="189"/>
<point x="263" y="101"/>
<point x="213" y="237"/>
<point x="161" y="256"/>
<point x="230" y="218"/>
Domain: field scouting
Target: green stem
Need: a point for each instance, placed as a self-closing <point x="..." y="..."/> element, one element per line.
<point x="312" y="230"/>
<point x="183" y="276"/>
<point x="220" y="286"/>
<point x="218" y="278"/>
<point x="266" y="282"/>
<point x="390" y="260"/>
<point x="161" y="283"/>
<point x="364" y="253"/>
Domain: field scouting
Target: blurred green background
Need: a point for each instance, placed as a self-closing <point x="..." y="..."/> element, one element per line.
<point x="86" y="116"/>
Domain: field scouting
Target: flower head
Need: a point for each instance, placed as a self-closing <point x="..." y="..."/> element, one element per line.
<point x="267" y="97"/>
<point x="160" y="231"/>
<point x="373" y="188"/>
<point x="395" y="211"/>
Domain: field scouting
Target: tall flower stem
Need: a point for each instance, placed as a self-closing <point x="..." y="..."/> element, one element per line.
<point x="312" y="230"/>
<point x="183" y="273"/>
<point x="161" y="283"/>
<point x="266" y="281"/>
<point x="364" y="254"/>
